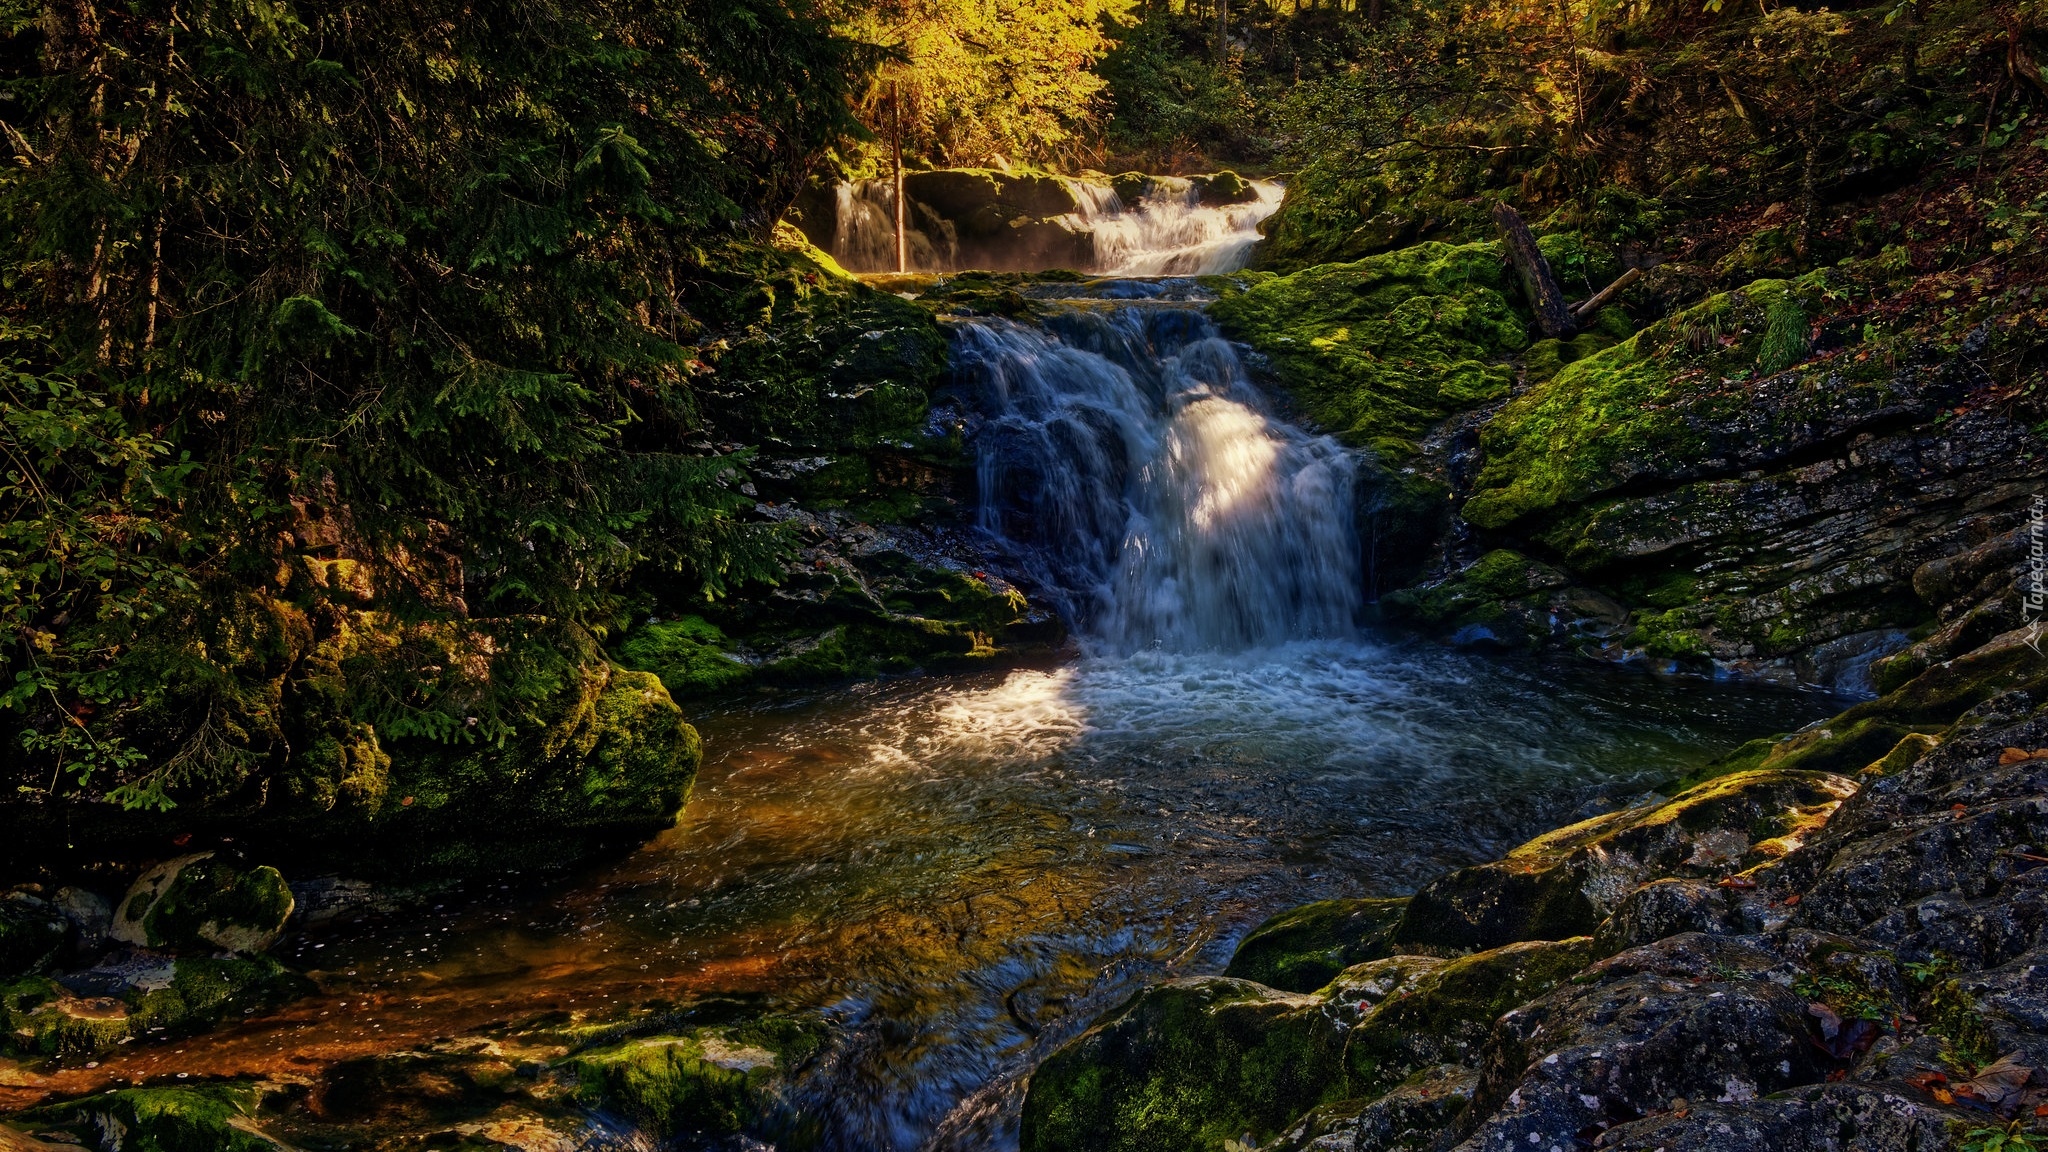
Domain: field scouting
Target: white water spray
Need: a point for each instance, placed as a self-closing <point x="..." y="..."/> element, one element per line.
<point x="1169" y="231"/>
<point x="1128" y="450"/>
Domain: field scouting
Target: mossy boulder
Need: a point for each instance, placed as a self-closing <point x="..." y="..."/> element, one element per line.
<point x="1566" y="882"/>
<point x="1185" y="1066"/>
<point x="1441" y="1011"/>
<point x="1697" y="394"/>
<point x="203" y="1118"/>
<point x="1503" y="599"/>
<point x="147" y="1002"/>
<point x="204" y="902"/>
<point x="1225" y="187"/>
<point x="690" y="655"/>
<point x="1911" y="717"/>
<point x="1411" y="1117"/>
<point x="707" y="1082"/>
<point x="1380" y="350"/>
<point x="34" y="935"/>
<point x="1302" y="949"/>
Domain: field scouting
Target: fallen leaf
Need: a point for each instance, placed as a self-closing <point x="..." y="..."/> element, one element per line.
<point x="1738" y="882"/>
<point x="2014" y="756"/>
<point x="1792" y="899"/>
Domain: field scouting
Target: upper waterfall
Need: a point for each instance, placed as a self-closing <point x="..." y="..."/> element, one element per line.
<point x="973" y="219"/>
<point x="1125" y="446"/>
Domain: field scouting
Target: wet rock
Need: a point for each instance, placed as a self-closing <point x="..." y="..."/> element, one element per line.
<point x="34" y="935"/>
<point x="1671" y="907"/>
<point x="1566" y="882"/>
<point x="1189" y="1064"/>
<point x="1692" y="1017"/>
<point x="712" y="1081"/>
<point x="1441" y="1013"/>
<point x="140" y="996"/>
<point x="1409" y="1118"/>
<point x="1302" y="949"/>
<point x="1225" y="187"/>
<point x="213" y="1117"/>
<point x="1817" y="1118"/>
<point x="204" y="902"/>
<point x="91" y="918"/>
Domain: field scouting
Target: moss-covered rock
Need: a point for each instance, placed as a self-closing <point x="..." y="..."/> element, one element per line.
<point x="1380" y="350"/>
<point x="1566" y="882"/>
<point x="1442" y="1013"/>
<point x="1300" y="950"/>
<point x="204" y="902"/>
<point x="1185" y="1065"/>
<point x="203" y="1118"/>
<point x="174" y="998"/>
<point x="1696" y="394"/>
<point x="714" y="1081"/>
<point x="1411" y="1117"/>
<point x="1225" y="187"/>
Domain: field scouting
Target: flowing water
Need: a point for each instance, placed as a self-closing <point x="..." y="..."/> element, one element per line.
<point x="1167" y="232"/>
<point x="961" y="871"/>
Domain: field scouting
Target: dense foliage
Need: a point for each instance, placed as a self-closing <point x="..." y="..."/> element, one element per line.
<point x="391" y="332"/>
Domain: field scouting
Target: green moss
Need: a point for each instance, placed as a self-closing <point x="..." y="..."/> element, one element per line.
<point x="1481" y="594"/>
<point x="1922" y="707"/>
<point x="1300" y="950"/>
<point x="1668" y="635"/>
<point x="207" y="1118"/>
<point x="1444" y="1016"/>
<point x="1379" y="350"/>
<point x="690" y="655"/>
<point x="1638" y="406"/>
<point x="1185" y="1065"/>
<point x="712" y="1081"/>
<point x="216" y="902"/>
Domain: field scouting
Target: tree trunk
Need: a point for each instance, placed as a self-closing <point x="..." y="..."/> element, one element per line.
<point x="1599" y="299"/>
<point x="1539" y="287"/>
<point x="896" y="115"/>
<point x="1809" y="199"/>
<point x="1222" y="31"/>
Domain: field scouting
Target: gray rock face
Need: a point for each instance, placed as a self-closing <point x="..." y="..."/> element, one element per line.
<point x="1879" y="984"/>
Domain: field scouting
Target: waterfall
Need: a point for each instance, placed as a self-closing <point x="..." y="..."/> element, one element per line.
<point x="1125" y="448"/>
<point x="1169" y="231"/>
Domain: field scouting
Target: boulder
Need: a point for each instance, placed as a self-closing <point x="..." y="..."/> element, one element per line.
<point x="1188" y="1064"/>
<point x="1692" y="1018"/>
<point x="34" y="935"/>
<point x="1440" y="1012"/>
<point x="710" y="1082"/>
<point x="1225" y="187"/>
<point x="1300" y="950"/>
<point x="1408" y="1118"/>
<point x="1566" y="882"/>
<point x="204" y="902"/>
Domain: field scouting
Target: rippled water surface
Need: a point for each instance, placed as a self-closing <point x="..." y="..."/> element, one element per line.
<point x="963" y="870"/>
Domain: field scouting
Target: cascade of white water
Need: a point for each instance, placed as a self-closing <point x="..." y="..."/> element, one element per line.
<point x="1172" y="233"/>
<point x="1168" y="232"/>
<point x="1128" y="449"/>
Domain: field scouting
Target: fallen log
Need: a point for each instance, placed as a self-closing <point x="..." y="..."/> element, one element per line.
<point x="1539" y="287"/>
<point x="1599" y="299"/>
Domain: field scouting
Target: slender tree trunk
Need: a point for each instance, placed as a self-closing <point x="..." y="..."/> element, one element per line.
<point x="1539" y="287"/>
<point x="896" y="115"/>
<point x="1222" y="31"/>
<point x="1809" y="198"/>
